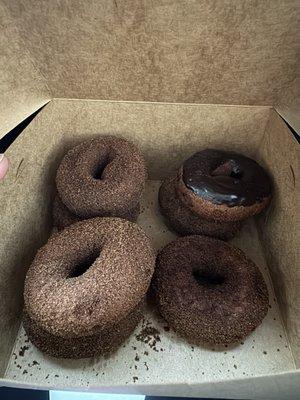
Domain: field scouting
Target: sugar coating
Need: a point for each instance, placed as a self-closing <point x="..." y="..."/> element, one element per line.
<point x="102" y="343"/>
<point x="102" y="177"/>
<point x="112" y="286"/>
<point x="185" y="222"/>
<point x="63" y="217"/>
<point x="222" y="310"/>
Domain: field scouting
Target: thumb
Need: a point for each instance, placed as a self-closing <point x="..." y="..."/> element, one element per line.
<point x="4" y="164"/>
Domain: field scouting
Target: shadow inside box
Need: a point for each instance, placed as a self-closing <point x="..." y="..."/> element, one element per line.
<point x="28" y="394"/>
<point x="23" y="394"/>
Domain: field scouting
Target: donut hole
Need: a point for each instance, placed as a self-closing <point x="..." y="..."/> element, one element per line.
<point x="82" y="267"/>
<point x="98" y="171"/>
<point x="229" y="168"/>
<point x="208" y="278"/>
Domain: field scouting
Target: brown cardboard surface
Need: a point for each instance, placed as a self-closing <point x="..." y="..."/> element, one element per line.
<point x="22" y="88"/>
<point x="216" y="51"/>
<point x="280" y="226"/>
<point x="289" y="104"/>
<point x="166" y="133"/>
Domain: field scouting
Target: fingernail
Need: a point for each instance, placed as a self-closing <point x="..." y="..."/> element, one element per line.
<point x="4" y="164"/>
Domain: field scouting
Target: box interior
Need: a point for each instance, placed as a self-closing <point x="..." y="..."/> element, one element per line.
<point x="167" y="134"/>
<point x="226" y="52"/>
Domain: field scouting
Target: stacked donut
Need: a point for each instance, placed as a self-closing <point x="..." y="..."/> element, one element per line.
<point x="207" y="290"/>
<point x="99" y="177"/>
<point x="213" y="192"/>
<point x="84" y="289"/>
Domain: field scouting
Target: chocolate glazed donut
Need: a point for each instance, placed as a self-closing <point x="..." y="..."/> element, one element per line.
<point x="209" y="291"/>
<point x="88" y="277"/>
<point x="223" y="186"/>
<point x="102" y="177"/>
<point x="184" y="221"/>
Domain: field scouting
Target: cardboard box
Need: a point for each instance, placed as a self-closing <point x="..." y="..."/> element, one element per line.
<point x="241" y="53"/>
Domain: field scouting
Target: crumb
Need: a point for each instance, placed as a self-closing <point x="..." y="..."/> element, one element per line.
<point x="235" y="366"/>
<point x="137" y="358"/>
<point x="135" y="378"/>
<point x="149" y="335"/>
<point x="22" y="350"/>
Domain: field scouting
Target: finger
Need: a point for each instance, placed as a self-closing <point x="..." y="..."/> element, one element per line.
<point x="4" y="164"/>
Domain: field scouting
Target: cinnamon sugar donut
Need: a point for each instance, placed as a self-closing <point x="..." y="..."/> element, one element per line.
<point x="102" y="177"/>
<point x="88" y="277"/>
<point x="101" y="343"/>
<point x="62" y="216"/>
<point x="209" y="291"/>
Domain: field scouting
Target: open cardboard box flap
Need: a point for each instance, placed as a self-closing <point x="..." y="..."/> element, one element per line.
<point x="211" y="52"/>
<point x="161" y="51"/>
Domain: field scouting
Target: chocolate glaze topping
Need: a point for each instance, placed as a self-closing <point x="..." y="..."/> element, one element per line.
<point x="225" y="177"/>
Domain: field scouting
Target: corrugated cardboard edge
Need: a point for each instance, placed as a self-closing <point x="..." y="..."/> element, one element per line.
<point x="23" y="88"/>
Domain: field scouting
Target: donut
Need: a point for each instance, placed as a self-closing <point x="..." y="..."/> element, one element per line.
<point x="88" y="277"/>
<point x="103" y="343"/>
<point x="62" y="216"/>
<point x="183" y="221"/>
<point x="223" y="185"/>
<point x="102" y="177"/>
<point x="208" y="291"/>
